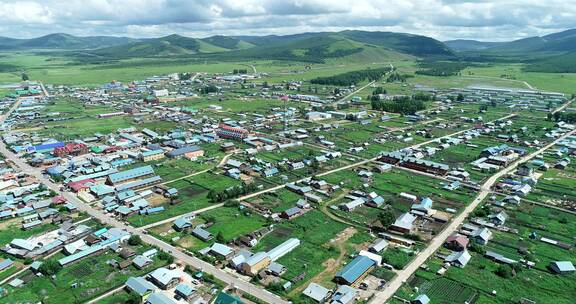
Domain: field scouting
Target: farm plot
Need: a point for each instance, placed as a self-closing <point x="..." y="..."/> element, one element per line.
<point x="315" y="230"/>
<point x="91" y="277"/>
<point x="193" y="195"/>
<point x="444" y="291"/>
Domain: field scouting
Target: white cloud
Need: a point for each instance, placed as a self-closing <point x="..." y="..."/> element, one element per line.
<point x="442" y="19"/>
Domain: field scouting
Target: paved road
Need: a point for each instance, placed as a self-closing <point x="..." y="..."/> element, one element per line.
<point x="108" y="220"/>
<point x="438" y="241"/>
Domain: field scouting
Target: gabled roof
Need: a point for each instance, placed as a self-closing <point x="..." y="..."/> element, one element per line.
<point x="316" y="292"/>
<point x="159" y="298"/>
<point x="224" y="298"/>
<point x="139" y="285"/>
<point x="355" y="269"/>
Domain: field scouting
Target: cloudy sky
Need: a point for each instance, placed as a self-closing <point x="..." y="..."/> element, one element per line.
<point x="489" y="20"/>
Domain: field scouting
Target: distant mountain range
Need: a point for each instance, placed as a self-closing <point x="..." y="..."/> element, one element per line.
<point x="312" y="47"/>
<point x="305" y="46"/>
<point x="558" y="42"/>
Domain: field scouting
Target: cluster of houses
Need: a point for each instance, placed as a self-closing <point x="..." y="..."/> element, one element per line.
<point x="30" y="202"/>
<point x="514" y="98"/>
<point x="170" y="285"/>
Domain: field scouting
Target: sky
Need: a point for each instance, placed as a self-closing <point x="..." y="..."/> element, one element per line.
<point x="487" y="20"/>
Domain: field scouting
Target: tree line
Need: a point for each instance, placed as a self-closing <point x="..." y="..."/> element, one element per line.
<point x="230" y="193"/>
<point x="351" y="78"/>
<point x="565" y="117"/>
<point x="403" y="105"/>
<point x="441" y="68"/>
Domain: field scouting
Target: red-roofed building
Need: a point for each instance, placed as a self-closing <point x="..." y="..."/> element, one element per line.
<point x="58" y="200"/>
<point x="112" y="149"/>
<point x="225" y="131"/>
<point x="81" y="186"/>
<point x="73" y="149"/>
<point x="457" y="242"/>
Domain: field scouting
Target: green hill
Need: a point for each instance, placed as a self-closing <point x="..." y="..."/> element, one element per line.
<point x="62" y="41"/>
<point x="522" y="50"/>
<point x="173" y="45"/>
<point x="305" y="47"/>
<point x="230" y="43"/>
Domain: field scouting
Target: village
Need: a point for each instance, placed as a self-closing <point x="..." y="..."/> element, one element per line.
<point x="302" y="192"/>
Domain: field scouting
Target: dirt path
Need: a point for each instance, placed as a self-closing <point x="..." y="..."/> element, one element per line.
<point x="330" y="265"/>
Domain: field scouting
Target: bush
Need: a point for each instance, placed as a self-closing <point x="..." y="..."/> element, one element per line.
<point x="504" y="271"/>
<point x="134" y="240"/>
<point x="386" y="218"/>
<point x="164" y="256"/>
<point x="50" y="267"/>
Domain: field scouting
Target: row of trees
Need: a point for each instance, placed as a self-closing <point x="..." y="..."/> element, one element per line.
<point x="565" y="117"/>
<point x="240" y="71"/>
<point x="230" y="193"/>
<point x="403" y="105"/>
<point x="376" y="92"/>
<point x="351" y="78"/>
<point x="441" y="68"/>
<point x="209" y="89"/>
<point x="396" y="77"/>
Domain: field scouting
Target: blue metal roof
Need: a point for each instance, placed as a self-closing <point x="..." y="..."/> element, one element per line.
<point x="355" y="269"/>
<point x="131" y="174"/>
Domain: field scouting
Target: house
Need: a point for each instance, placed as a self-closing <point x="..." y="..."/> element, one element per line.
<point x="291" y="213"/>
<point x="185" y="291"/>
<point x="5" y="264"/>
<point x="221" y="251"/>
<point x="481" y="235"/>
<point x="127" y="252"/>
<point x="378" y="246"/>
<point x="164" y="278"/>
<point x="202" y="234"/>
<point x="254" y="264"/>
<point x="512" y="199"/>
<point x="224" y="298"/>
<point x="354" y="271"/>
<point x="457" y="242"/>
<point x="499" y="218"/>
<point x="425" y="206"/>
<point x="317" y="292"/>
<point x="141" y="261"/>
<point x="421" y="299"/>
<point x="459" y="258"/>
<point x="140" y="286"/>
<point x="525" y="170"/>
<point x="159" y="298"/>
<point x="344" y="295"/>
<point x="562" y="267"/>
<point x="351" y="205"/>
<point x="404" y="223"/>
<point x="276" y="269"/>
<point x="181" y="224"/>
<point x="237" y="261"/>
